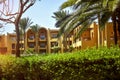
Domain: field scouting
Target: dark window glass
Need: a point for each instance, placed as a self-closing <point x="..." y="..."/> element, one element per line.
<point x="42" y="45"/>
<point x="54" y="35"/>
<point x="42" y="37"/>
<point x="31" y="37"/>
<point x="31" y="45"/>
<point x="13" y="46"/>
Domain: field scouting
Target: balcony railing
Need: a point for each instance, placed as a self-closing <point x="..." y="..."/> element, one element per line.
<point x="42" y="47"/>
<point x="31" y="45"/>
<point x="54" y="39"/>
<point x="55" y="47"/>
<point x="42" y="51"/>
<point x="53" y="36"/>
<point x="42" y="38"/>
<point x="31" y="40"/>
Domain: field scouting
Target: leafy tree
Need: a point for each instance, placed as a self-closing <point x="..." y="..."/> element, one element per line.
<point x="11" y="14"/>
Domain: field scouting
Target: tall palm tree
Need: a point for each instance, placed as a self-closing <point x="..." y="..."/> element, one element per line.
<point x="85" y="12"/>
<point x="59" y="15"/>
<point x="24" y="24"/>
<point x="35" y="28"/>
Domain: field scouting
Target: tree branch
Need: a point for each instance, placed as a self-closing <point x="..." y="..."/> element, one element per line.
<point x="28" y="7"/>
<point x="8" y="20"/>
<point x="12" y="14"/>
<point x="25" y="2"/>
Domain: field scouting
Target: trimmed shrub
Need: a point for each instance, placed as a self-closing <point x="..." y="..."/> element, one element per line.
<point x="90" y="64"/>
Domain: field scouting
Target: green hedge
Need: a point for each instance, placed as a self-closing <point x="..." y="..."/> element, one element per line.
<point x="90" y="64"/>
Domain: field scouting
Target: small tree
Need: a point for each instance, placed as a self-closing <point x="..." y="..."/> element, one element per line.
<point x="35" y="28"/>
<point x="10" y="15"/>
<point x="24" y="24"/>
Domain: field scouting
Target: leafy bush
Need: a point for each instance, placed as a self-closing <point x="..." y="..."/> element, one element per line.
<point x="90" y="64"/>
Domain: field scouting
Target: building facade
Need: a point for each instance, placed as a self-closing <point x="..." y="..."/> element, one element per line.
<point x="46" y="40"/>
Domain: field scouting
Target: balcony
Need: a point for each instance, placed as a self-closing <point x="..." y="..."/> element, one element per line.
<point x="31" y="45"/>
<point x="31" y="39"/>
<point x="55" y="47"/>
<point x="54" y="36"/>
<point x="42" y="51"/>
<point x="42" y="46"/>
<point x="42" y="38"/>
<point x="54" y="39"/>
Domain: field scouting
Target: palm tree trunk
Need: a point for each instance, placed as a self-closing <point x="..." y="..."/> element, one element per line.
<point x="99" y="32"/>
<point x="114" y="28"/>
<point x="118" y="22"/>
<point x="65" y="42"/>
<point x="115" y="33"/>
<point x="24" y="41"/>
<point x="36" y="44"/>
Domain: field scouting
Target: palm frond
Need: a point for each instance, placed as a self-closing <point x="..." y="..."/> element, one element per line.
<point x="25" y="23"/>
<point x="85" y="25"/>
<point x="68" y="3"/>
<point x="105" y="16"/>
<point x="84" y="13"/>
<point x="35" y="28"/>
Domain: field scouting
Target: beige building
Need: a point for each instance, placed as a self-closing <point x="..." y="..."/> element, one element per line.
<point x="89" y="38"/>
<point x="3" y="44"/>
<point x="46" y="40"/>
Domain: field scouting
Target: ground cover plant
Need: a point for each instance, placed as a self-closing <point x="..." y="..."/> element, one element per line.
<point x="89" y="64"/>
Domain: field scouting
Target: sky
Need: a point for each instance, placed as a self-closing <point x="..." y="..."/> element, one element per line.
<point x="40" y="13"/>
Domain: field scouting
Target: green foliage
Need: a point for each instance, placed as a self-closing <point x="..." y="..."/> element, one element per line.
<point x="29" y="52"/>
<point x="89" y="64"/>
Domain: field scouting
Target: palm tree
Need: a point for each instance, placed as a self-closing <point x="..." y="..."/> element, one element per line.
<point x="24" y="24"/>
<point x="59" y="15"/>
<point x="35" y="28"/>
<point x="85" y="12"/>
